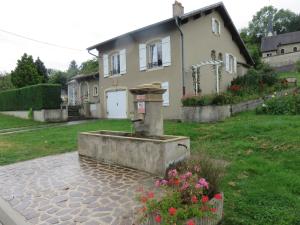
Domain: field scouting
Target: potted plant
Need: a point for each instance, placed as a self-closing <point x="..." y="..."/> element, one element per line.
<point x="183" y="198"/>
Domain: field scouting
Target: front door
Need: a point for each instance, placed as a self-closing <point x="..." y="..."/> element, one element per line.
<point x="116" y="104"/>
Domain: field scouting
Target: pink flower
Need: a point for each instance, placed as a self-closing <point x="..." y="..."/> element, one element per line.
<point x="172" y="173"/>
<point x="157" y="183"/>
<point x="194" y="199"/>
<point x="205" y="198"/>
<point x="164" y="182"/>
<point x="172" y="211"/>
<point x="203" y="183"/>
<point x="185" y="186"/>
<point x="197" y="186"/>
<point x="188" y="174"/>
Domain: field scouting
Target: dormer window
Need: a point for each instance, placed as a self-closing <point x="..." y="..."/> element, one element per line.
<point x="155" y="55"/>
<point x="216" y="26"/>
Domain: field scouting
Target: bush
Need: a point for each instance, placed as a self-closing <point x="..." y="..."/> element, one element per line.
<point x="37" y="97"/>
<point x="287" y="105"/>
<point x="298" y="66"/>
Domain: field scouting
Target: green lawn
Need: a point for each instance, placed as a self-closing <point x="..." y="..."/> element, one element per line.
<point x="262" y="183"/>
<point x="14" y="122"/>
<point x="291" y="74"/>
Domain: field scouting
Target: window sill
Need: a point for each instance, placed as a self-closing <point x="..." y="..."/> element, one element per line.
<point x="155" y="68"/>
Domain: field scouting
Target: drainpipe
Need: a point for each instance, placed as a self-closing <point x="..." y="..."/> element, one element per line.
<point x="182" y="55"/>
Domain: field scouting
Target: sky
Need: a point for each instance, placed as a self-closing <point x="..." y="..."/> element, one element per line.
<point x="77" y="24"/>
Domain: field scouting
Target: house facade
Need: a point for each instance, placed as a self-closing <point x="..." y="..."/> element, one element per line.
<point x="83" y="91"/>
<point x="281" y="51"/>
<point x="166" y="52"/>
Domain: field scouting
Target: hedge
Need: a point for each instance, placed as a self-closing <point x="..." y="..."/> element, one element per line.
<point x="37" y="97"/>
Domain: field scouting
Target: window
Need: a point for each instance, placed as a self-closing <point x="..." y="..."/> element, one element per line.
<point x="216" y="28"/>
<point x="282" y="51"/>
<point x="231" y="63"/>
<point x="115" y="64"/>
<point x="220" y="57"/>
<point x="95" y="91"/>
<point x="213" y="55"/>
<point x="155" y="55"/>
<point x="269" y="54"/>
<point x="295" y="49"/>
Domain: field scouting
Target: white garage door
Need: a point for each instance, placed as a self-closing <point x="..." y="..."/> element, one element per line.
<point x="116" y="104"/>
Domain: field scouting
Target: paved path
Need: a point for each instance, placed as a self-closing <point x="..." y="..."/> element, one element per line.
<point x="67" y="189"/>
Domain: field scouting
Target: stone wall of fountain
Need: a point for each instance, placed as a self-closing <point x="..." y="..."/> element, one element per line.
<point x="146" y="148"/>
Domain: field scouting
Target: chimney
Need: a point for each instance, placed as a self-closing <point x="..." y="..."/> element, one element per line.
<point x="178" y="9"/>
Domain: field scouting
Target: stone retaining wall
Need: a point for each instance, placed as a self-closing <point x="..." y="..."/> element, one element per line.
<point x="44" y="115"/>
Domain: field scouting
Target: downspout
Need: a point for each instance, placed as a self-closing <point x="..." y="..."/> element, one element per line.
<point x="182" y="55"/>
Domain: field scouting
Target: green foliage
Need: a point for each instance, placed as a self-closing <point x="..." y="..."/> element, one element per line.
<point x="5" y="82"/>
<point x="37" y="97"/>
<point x="72" y="70"/>
<point x="30" y="114"/>
<point x="42" y="70"/>
<point x="288" y="105"/>
<point x="298" y="66"/>
<point x="89" y="66"/>
<point x="58" y="77"/>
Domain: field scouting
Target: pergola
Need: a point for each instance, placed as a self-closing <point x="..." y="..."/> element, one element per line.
<point x="216" y="65"/>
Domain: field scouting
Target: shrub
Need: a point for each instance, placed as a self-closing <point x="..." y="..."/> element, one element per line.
<point x="222" y="99"/>
<point x="287" y="105"/>
<point x="297" y="65"/>
<point x="37" y="97"/>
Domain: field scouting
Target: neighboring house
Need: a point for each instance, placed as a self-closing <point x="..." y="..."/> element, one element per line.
<point x="166" y="52"/>
<point x="281" y="51"/>
<point x="83" y="90"/>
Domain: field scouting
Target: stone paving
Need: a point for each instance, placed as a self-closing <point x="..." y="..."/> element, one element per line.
<point x="67" y="189"/>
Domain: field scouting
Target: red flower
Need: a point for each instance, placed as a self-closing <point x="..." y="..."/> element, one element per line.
<point x="194" y="199"/>
<point x="190" y="222"/>
<point x="150" y="194"/>
<point x="143" y="199"/>
<point x="204" y="198"/>
<point x="218" y="196"/>
<point x="213" y="210"/>
<point x="176" y="182"/>
<point x="158" y="218"/>
<point x="172" y="211"/>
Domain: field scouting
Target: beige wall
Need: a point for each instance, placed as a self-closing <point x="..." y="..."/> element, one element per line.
<point x="287" y="49"/>
<point x="134" y="76"/>
<point x="282" y="60"/>
<point x="199" y="41"/>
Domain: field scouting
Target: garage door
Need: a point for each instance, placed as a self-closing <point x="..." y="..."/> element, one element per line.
<point x="116" y="104"/>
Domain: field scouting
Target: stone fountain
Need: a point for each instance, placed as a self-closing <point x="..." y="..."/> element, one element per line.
<point x="146" y="148"/>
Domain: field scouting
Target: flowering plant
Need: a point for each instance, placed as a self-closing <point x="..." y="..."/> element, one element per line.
<point x="185" y="199"/>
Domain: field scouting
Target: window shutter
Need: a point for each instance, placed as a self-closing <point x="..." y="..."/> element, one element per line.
<point x="165" y="85"/>
<point x="105" y="66"/>
<point x="142" y="55"/>
<point x="166" y="51"/>
<point x="213" y="25"/>
<point x="123" y="61"/>
<point x="227" y="62"/>
<point x="234" y="65"/>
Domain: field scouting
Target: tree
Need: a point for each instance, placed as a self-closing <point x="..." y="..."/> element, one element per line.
<point x="294" y="25"/>
<point x="89" y="66"/>
<point x="5" y="82"/>
<point x="25" y="73"/>
<point x="282" y="20"/>
<point x="58" y="77"/>
<point x="73" y="69"/>
<point x="42" y="70"/>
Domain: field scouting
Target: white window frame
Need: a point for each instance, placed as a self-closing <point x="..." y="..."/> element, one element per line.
<point x="214" y="27"/>
<point x="115" y="55"/>
<point x="95" y="93"/>
<point x="158" y="45"/>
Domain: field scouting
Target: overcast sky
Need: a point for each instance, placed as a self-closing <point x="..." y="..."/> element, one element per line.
<point x="78" y="24"/>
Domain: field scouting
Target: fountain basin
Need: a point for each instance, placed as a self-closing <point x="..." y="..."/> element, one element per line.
<point x="152" y="154"/>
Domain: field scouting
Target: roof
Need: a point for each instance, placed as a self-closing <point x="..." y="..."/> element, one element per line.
<point x="84" y="76"/>
<point x="272" y="43"/>
<point x="220" y="7"/>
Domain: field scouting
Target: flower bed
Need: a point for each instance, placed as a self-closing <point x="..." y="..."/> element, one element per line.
<point x="185" y="198"/>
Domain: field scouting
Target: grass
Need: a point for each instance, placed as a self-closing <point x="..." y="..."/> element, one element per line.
<point x="7" y="122"/>
<point x="290" y="74"/>
<point x="262" y="181"/>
